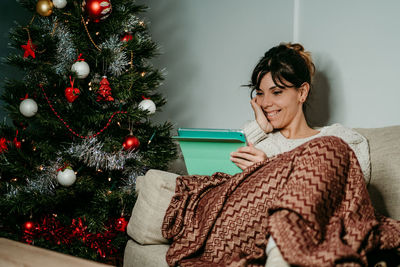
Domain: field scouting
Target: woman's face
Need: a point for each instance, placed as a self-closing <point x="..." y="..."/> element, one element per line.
<point x="281" y="106"/>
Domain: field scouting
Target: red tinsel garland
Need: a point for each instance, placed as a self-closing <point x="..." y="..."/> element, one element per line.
<point x="50" y="229"/>
<point x="69" y="128"/>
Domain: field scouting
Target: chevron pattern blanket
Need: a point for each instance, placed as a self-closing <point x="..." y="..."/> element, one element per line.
<point x="312" y="200"/>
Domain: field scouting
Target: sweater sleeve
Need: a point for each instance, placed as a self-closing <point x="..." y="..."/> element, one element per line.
<point x="254" y="133"/>
<point x="358" y="144"/>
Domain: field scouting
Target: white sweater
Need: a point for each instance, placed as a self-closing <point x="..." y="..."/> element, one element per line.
<point x="275" y="143"/>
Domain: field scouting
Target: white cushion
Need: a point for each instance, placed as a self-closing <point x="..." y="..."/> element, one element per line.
<point x="155" y="191"/>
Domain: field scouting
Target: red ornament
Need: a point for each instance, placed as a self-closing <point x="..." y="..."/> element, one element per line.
<point x="16" y="143"/>
<point x="71" y="93"/>
<point x="131" y="142"/>
<point x="98" y="9"/>
<point x="104" y="92"/>
<point x="121" y="224"/>
<point x="3" y="145"/>
<point x="29" y="49"/>
<point x="28" y="226"/>
<point x="127" y="37"/>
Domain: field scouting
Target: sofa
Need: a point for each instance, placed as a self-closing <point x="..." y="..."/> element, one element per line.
<point x="147" y="247"/>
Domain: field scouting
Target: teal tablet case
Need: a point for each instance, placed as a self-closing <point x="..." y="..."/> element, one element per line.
<point x="207" y="151"/>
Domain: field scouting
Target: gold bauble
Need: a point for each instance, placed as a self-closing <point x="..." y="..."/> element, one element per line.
<point x="44" y="7"/>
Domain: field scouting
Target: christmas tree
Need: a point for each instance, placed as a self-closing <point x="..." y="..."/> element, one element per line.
<point x="80" y="128"/>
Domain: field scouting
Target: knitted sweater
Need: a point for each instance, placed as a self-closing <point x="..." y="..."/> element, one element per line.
<point x="275" y="143"/>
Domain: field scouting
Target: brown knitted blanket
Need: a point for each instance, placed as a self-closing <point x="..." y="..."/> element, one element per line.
<point x="312" y="200"/>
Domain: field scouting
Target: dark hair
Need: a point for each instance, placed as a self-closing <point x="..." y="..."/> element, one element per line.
<point x="289" y="64"/>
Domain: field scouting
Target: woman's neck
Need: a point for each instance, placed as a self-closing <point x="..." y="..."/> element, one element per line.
<point x="298" y="129"/>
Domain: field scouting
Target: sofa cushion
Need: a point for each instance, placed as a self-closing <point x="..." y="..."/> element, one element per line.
<point x="384" y="187"/>
<point x="155" y="191"/>
<point x="145" y="255"/>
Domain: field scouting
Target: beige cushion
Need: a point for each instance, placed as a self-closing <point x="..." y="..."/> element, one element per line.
<point x="137" y="255"/>
<point x="384" y="188"/>
<point x="155" y="191"/>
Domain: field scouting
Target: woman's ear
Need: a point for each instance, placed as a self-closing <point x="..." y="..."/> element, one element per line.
<point x="303" y="92"/>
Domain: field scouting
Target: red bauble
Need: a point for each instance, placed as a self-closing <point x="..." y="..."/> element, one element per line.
<point x="98" y="9"/>
<point x="121" y="224"/>
<point x="127" y="37"/>
<point x="28" y="226"/>
<point x="131" y="142"/>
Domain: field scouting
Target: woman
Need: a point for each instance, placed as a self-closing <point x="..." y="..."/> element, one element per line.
<point x="282" y="82"/>
<point x="302" y="190"/>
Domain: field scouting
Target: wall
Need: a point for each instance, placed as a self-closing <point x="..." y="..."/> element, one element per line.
<point x="356" y="46"/>
<point x="210" y="47"/>
<point x="209" y="50"/>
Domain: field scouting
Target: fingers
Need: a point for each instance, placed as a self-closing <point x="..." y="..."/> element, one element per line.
<point x="256" y="107"/>
<point x="241" y="163"/>
<point x="247" y="156"/>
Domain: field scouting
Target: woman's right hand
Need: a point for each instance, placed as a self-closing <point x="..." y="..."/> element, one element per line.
<point x="261" y="119"/>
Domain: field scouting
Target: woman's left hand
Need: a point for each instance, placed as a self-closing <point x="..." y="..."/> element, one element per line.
<point x="246" y="156"/>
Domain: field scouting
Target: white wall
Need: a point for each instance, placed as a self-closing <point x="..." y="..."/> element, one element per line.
<point x="210" y="48"/>
<point x="356" y="47"/>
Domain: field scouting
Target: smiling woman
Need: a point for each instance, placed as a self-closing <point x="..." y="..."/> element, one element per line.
<point x="282" y="82"/>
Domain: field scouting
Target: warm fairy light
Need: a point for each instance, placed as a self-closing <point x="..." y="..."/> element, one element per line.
<point x="14" y="179"/>
<point x="97" y="33"/>
<point x="76" y="173"/>
<point x="141" y="23"/>
<point x="54" y="215"/>
<point x="41" y="167"/>
<point x="142" y="74"/>
<point x="34" y="148"/>
<point x="109" y="192"/>
<point x="118" y="123"/>
<point x="23" y="140"/>
<point x="99" y="170"/>
<point x="109" y="179"/>
<point x="90" y="83"/>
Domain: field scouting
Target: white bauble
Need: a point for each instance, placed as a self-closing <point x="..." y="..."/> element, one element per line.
<point x="148" y="105"/>
<point x="81" y="68"/>
<point x="66" y="177"/>
<point x="59" y="3"/>
<point x="28" y="107"/>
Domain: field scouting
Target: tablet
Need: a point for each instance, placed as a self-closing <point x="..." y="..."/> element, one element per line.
<point x="206" y="151"/>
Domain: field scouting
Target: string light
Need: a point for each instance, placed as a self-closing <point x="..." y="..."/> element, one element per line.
<point x="109" y="179"/>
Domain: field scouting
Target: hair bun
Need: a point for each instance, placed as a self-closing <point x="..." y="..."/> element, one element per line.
<point x="304" y="54"/>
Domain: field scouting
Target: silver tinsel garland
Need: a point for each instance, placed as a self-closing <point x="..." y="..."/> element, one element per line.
<point x="90" y="152"/>
<point x="119" y="60"/>
<point x="66" y="52"/>
<point x="45" y="183"/>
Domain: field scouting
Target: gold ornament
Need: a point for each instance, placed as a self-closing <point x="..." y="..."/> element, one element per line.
<point x="44" y="7"/>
